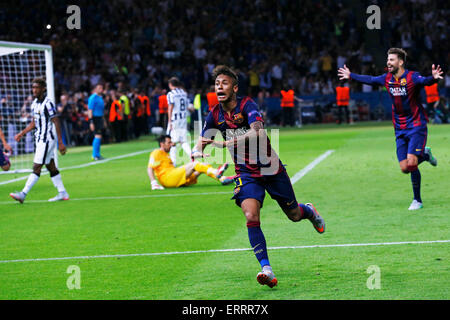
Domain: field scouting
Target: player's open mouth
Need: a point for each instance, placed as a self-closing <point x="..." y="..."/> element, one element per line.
<point x="221" y="95"/>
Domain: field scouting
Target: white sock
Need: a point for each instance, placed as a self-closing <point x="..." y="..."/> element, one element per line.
<point x="173" y="155"/>
<point x="211" y="171"/>
<point x="186" y="148"/>
<point x="268" y="268"/>
<point x="32" y="179"/>
<point x="57" y="182"/>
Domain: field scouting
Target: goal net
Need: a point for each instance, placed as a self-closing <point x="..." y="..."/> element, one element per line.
<point x="20" y="63"/>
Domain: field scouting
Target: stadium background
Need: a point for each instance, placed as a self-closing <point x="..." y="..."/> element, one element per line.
<point x="273" y="45"/>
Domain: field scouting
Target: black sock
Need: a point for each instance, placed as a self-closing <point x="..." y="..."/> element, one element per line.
<point x="415" y="180"/>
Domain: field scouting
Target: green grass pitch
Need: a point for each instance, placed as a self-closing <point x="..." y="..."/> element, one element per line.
<point x="358" y="189"/>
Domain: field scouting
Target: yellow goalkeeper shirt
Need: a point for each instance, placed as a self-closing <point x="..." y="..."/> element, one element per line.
<point x="160" y="162"/>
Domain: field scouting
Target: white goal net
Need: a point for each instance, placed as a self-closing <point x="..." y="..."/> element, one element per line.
<point x="20" y="63"/>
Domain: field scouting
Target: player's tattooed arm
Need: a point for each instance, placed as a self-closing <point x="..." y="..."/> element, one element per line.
<point x="256" y="131"/>
<point x="197" y="151"/>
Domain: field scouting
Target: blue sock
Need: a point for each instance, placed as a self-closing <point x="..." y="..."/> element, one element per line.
<point x="424" y="157"/>
<point x="307" y="212"/>
<point x="415" y="179"/>
<point x="96" y="147"/>
<point x="258" y="243"/>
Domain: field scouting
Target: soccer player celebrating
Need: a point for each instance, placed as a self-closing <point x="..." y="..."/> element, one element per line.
<point x="177" y="114"/>
<point x="5" y="164"/>
<point x="408" y="115"/>
<point x="160" y="166"/>
<point x="46" y="123"/>
<point x="258" y="167"/>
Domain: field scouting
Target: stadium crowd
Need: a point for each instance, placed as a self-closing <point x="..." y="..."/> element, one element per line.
<point x="134" y="47"/>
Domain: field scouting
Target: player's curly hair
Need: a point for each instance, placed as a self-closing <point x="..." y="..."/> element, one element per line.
<point x="40" y="81"/>
<point x="222" y="69"/>
<point x="401" y="54"/>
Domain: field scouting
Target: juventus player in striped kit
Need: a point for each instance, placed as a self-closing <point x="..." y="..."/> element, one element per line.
<point x="48" y="129"/>
<point x="177" y="114"/>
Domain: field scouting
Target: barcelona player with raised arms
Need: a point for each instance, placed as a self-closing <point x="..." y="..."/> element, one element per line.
<point x="258" y="167"/>
<point x="408" y="115"/>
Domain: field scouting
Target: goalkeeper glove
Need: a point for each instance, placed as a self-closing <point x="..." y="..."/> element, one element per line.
<point x="156" y="186"/>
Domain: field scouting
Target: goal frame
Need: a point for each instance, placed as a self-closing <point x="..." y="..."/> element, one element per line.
<point x="18" y="47"/>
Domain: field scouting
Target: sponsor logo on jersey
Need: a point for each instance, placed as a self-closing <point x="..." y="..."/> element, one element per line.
<point x="398" y="91"/>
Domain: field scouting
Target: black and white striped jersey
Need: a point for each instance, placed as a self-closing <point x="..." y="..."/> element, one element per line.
<point x="43" y="111"/>
<point x="178" y="97"/>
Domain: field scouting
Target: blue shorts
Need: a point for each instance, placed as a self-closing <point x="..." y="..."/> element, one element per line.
<point x="278" y="186"/>
<point x="411" y="141"/>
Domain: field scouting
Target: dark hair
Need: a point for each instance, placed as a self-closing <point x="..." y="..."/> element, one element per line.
<point x="40" y="81"/>
<point x="222" y="69"/>
<point x="401" y="54"/>
<point x="162" y="138"/>
<point x="175" y="82"/>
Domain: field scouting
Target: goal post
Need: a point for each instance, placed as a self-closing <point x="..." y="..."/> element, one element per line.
<point x="20" y="63"/>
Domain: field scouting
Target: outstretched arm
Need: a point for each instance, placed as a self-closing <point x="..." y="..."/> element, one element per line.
<point x="436" y="74"/>
<point x="345" y="74"/>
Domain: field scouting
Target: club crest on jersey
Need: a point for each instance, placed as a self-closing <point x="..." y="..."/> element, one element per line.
<point x="403" y="82"/>
<point x="398" y="91"/>
<point x="238" y="118"/>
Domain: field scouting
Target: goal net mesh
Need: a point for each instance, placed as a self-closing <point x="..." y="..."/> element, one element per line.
<point x="18" y="67"/>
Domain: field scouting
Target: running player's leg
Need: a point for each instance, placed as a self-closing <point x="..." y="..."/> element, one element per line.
<point x="57" y="182"/>
<point x="40" y="156"/>
<point x="416" y="148"/>
<point x="280" y="189"/>
<point x="31" y="181"/>
<point x="249" y="195"/>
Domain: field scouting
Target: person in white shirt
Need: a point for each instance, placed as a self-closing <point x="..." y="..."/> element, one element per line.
<point x="179" y="105"/>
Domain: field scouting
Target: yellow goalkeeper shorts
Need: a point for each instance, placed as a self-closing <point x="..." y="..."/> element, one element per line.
<point x="177" y="178"/>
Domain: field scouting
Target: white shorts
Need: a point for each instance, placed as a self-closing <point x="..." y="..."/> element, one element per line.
<point x="178" y="135"/>
<point x="45" y="152"/>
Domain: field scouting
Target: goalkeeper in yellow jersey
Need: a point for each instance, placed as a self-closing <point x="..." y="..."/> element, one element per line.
<point x="161" y="167"/>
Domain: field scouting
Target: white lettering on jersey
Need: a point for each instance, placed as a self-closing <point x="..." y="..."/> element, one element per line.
<point x="398" y="91"/>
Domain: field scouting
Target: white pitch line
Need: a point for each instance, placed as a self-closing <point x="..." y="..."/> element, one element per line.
<point x="88" y="164"/>
<point x="225" y="250"/>
<point x="310" y="166"/>
<point x="142" y="196"/>
<point x="300" y="174"/>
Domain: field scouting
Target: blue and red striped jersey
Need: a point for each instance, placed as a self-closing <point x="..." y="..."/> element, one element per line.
<point x="407" y="109"/>
<point x="258" y="160"/>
